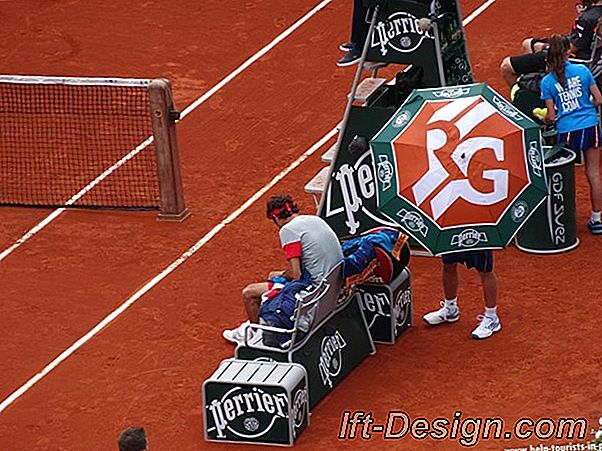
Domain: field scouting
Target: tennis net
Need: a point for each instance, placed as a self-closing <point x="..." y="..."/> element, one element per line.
<point x="89" y="142"/>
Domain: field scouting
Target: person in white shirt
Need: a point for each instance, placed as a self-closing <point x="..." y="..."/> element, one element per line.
<point x="311" y="249"/>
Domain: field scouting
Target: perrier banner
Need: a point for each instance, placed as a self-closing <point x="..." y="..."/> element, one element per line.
<point x="439" y="48"/>
<point x="349" y="202"/>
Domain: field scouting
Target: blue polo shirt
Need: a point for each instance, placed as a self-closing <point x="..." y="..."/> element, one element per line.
<point x="574" y="109"/>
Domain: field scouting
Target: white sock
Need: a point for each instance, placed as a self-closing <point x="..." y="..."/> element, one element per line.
<point x="491" y="312"/>
<point x="451" y="303"/>
<point x="595" y="217"/>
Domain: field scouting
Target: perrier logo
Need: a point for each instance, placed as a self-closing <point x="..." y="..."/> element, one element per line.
<point x="331" y="357"/>
<point x="401" y="32"/>
<point x="247" y="412"/>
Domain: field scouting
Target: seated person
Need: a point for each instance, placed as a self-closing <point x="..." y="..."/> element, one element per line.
<point x="535" y="45"/>
<point x="311" y="249"/>
<point x="581" y="37"/>
<point x="359" y="32"/>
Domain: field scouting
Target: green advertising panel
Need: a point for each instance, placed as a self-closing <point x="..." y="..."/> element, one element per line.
<point x="349" y="203"/>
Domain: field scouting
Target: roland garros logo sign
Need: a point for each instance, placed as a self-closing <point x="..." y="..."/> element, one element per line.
<point x="462" y="174"/>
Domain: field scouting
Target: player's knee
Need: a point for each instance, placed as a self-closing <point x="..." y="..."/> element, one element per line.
<point x="247" y="293"/>
<point x="449" y="267"/>
<point x="526" y="45"/>
<point x="506" y="67"/>
<point x="593" y="174"/>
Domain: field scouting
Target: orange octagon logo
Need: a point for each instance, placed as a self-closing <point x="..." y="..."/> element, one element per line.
<point x="460" y="162"/>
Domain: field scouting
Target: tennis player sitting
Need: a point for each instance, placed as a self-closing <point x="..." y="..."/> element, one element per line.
<point x="311" y="249"/>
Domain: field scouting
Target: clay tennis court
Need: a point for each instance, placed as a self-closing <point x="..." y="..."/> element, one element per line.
<point x="146" y="366"/>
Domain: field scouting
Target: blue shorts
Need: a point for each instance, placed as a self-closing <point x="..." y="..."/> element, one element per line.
<point x="482" y="261"/>
<point x="581" y="140"/>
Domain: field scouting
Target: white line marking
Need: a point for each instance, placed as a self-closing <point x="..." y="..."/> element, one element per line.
<point x="169" y="269"/>
<point x="477" y="12"/>
<point x="202" y="99"/>
<point x="159" y="277"/>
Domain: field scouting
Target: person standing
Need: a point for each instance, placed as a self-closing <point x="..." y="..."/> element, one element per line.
<point x="482" y="261"/>
<point x="566" y="90"/>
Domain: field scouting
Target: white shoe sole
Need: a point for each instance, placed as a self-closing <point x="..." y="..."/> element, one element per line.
<point x="348" y="63"/>
<point x="452" y="320"/>
<point x="497" y="329"/>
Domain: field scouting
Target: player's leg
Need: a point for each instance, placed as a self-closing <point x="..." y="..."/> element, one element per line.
<point x="513" y="66"/>
<point x="489" y="322"/>
<point x="526" y="46"/>
<point x="534" y="45"/>
<point x="508" y="71"/>
<point x="449" y="312"/>
<point x="592" y="170"/>
<point x="251" y="298"/>
<point x="450" y="280"/>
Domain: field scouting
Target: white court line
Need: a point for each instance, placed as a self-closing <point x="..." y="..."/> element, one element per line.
<point x="202" y="99"/>
<point x="477" y="12"/>
<point x="169" y="269"/>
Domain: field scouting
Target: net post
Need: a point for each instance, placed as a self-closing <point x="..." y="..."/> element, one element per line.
<point x="172" y="207"/>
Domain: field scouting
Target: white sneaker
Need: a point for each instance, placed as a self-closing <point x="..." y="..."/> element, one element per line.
<point x="443" y="315"/>
<point x="237" y="335"/>
<point x="487" y="327"/>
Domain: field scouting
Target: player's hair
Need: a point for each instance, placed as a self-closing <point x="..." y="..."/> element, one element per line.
<point x="585" y="3"/>
<point x="557" y="56"/>
<point x="281" y="207"/>
<point x="132" y="439"/>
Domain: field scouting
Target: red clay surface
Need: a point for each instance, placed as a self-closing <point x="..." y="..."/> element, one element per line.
<point x="147" y="367"/>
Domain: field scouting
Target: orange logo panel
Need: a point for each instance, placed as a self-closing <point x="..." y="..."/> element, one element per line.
<point x="461" y="162"/>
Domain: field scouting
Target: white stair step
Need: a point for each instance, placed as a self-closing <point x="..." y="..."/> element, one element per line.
<point x="328" y="156"/>
<point x="367" y="88"/>
<point x="318" y="182"/>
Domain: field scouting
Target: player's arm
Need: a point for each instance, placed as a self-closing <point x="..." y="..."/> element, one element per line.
<point x="292" y="251"/>
<point x="595" y="92"/>
<point x="551" y="116"/>
<point x="293" y="271"/>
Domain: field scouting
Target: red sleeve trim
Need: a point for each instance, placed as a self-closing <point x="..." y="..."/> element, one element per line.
<point x="292" y="250"/>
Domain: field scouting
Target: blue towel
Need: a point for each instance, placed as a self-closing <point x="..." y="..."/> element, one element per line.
<point x="360" y="254"/>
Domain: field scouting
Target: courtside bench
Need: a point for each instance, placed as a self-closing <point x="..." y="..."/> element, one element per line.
<point x="264" y="395"/>
<point x="329" y="339"/>
<point x="387" y="307"/>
